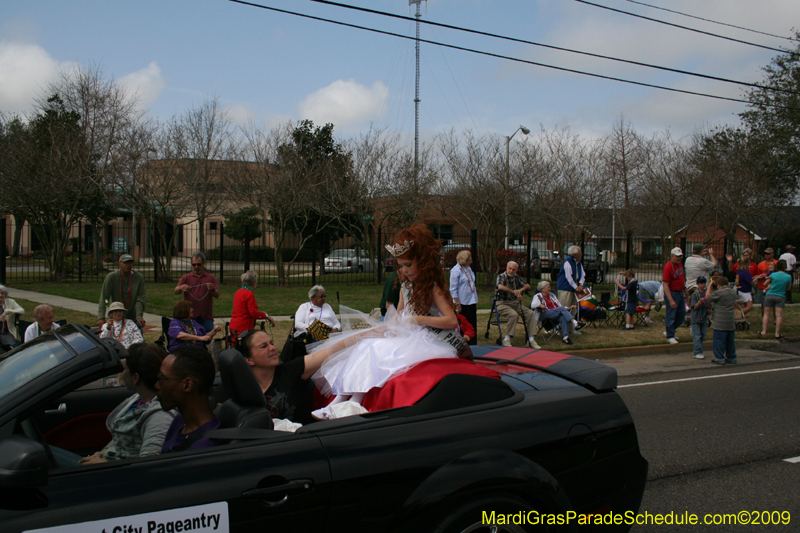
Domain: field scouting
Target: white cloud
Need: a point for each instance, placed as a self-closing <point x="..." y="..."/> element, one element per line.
<point x="147" y="84"/>
<point x="345" y="103"/>
<point x="25" y="70"/>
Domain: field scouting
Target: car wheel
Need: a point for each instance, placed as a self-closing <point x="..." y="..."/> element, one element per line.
<point x="468" y="517"/>
<point x="360" y="268"/>
<point x="598" y="276"/>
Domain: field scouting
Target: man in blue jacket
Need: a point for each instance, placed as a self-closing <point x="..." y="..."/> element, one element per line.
<point x="571" y="278"/>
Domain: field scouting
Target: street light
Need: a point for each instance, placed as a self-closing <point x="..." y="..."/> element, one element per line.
<point x="526" y="131"/>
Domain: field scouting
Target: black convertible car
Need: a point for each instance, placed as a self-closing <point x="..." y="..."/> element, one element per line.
<point x="550" y="438"/>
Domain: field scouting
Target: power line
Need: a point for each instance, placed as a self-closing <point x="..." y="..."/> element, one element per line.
<point x="553" y="47"/>
<point x="714" y="21"/>
<point x="683" y="27"/>
<point x="500" y="56"/>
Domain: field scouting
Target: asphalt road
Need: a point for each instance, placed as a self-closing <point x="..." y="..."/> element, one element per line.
<point x="717" y="438"/>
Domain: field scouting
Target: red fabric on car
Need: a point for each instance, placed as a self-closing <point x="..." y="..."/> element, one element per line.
<point x="85" y="431"/>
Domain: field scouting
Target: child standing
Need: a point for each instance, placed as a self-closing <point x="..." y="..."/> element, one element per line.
<point x="724" y="323"/>
<point x="698" y="305"/>
<point x="631" y="296"/>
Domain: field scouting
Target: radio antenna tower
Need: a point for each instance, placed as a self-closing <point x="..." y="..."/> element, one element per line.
<point x="416" y="90"/>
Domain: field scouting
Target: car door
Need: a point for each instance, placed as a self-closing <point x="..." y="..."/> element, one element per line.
<point x="280" y="484"/>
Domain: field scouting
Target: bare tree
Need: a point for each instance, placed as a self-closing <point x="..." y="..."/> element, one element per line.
<point x="210" y="147"/>
<point x="575" y="191"/>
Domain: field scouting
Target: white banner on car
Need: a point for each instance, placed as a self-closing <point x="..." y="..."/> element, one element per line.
<point x="212" y="517"/>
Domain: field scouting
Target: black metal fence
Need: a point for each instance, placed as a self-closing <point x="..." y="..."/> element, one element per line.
<point x="91" y="252"/>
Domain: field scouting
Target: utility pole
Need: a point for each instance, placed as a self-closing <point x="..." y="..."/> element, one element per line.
<point x="416" y="92"/>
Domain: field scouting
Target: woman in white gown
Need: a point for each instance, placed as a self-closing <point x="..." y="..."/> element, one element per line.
<point x="424" y="327"/>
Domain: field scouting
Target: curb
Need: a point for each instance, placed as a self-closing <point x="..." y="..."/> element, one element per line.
<point x="651" y="349"/>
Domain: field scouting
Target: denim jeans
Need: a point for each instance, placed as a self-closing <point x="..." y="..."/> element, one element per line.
<point x="725" y="345"/>
<point x="675" y="316"/>
<point x="560" y="314"/>
<point x="699" y="335"/>
<point x="207" y="323"/>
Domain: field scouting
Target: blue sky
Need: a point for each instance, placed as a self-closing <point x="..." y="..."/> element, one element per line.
<point x="269" y="67"/>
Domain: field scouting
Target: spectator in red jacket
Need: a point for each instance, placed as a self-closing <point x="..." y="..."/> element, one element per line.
<point x="245" y="308"/>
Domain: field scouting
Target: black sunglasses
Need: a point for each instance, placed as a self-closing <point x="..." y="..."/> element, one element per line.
<point x="197" y="264"/>
<point x="243" y="335"/>
<point x="162" y="377"/>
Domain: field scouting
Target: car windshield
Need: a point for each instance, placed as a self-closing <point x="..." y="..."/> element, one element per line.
<point x="23" y="365"/>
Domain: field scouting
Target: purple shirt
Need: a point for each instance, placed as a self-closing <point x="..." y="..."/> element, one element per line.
<point x="184" y="326"/>
<point x="175" y="438"/>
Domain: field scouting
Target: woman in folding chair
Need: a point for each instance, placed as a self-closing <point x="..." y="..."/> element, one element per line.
<point x="550" y="308"/>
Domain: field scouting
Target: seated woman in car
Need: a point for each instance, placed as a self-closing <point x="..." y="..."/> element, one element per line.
<point x="138" y="425"/>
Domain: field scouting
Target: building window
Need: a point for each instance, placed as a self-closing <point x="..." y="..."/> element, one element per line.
<point x="212" y="226"/>
<point x="444" y="232"/>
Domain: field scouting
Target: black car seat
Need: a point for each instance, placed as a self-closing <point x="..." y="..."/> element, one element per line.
<point x="246" y="406"/>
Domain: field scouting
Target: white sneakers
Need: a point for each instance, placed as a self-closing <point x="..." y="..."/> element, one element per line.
<point x="532" y="344"/>
<point x="672" y="340"/>
<point x="699" y="356"/>
<point x="648" y="320"/>
<point x="506" y="342"/>
<point x="676" y="338"/>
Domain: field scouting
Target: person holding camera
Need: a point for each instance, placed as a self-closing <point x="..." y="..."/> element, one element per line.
<point x="724" y="323"/>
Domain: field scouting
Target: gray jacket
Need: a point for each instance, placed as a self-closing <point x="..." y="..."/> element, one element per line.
<point x="137" y="432"/>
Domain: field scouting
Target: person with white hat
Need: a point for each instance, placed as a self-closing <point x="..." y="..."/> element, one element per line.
<point x="125" y="286"/>
<point x="120" y="328"/>
<point x="674" y="282"/>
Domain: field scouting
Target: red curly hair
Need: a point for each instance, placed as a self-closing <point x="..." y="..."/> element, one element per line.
<point x="426" y="251"/>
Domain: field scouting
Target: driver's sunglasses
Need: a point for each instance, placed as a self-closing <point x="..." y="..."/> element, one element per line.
<point x="162" y="377"/>
<point x="243" y="335"/>
<point x="197" y="264"/>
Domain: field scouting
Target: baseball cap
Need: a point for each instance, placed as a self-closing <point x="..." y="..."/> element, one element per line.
<point x="790" y="247"/>
<point x="769" y="251"/>
<point x="676" y="251"/>
<point x="125" y="258"/>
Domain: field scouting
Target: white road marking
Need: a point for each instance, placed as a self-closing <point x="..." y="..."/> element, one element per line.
<point x="793" y="460"/>
<point x="708" y="377"/>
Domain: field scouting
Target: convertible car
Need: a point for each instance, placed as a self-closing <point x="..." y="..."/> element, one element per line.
<point x="531" y="437"/>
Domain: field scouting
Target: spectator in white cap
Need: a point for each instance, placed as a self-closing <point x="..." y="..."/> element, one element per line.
<point x="674" y="282"/>
<point x="120" y="328"/>
<point x="125" y="286"/>
<point x="791" y="268"/>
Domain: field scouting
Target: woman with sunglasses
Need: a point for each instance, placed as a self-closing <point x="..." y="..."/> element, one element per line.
<point x="285" y="386"/>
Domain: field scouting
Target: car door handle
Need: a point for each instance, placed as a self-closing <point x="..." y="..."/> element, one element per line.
<point x="297" y="486"/>
<point x="62" y="408"/>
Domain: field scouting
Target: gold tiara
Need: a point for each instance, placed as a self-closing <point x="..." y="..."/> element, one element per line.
<point x="399" y="249"/>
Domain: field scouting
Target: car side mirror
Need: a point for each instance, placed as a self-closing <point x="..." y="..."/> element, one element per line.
<point x="23" y="463"/>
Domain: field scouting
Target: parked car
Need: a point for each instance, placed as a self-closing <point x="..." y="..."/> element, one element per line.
<point x="593" y="263"/>
<point x="347" y="260"/>
<point x="551" y="435"/>
<point x="547" y="258"/>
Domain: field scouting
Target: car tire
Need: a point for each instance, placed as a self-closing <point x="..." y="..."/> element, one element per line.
<point x="360" y="269"/>
<point x="467" y="517"/>
<point x="598" y="276"/>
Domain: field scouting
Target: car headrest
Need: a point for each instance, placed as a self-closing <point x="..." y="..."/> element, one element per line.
<point x="239" y="381"/>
